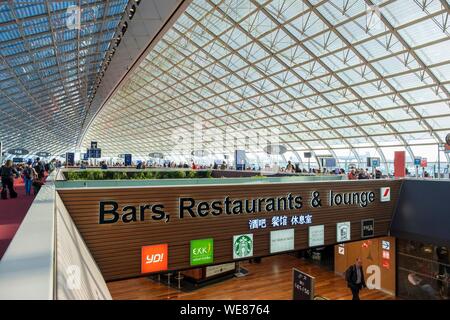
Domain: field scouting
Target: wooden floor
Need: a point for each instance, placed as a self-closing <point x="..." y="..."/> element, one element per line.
<point x="269" y="280"/>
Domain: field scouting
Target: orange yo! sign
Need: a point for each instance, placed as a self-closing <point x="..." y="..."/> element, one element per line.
<point x="154" y="258"/>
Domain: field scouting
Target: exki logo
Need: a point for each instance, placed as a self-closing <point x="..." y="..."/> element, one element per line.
<point x="154" y="258"/>
<point x="385" y="194"/>
<point x="202" y="251"/>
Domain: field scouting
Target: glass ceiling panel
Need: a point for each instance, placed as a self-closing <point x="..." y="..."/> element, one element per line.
<point x="48" y="69"/>
<point x="329" y="76"/>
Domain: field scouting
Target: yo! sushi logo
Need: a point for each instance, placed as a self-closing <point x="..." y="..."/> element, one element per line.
<point x="242" y="246"/>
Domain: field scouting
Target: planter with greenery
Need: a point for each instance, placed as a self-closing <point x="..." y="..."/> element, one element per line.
<point x="136" y="175"/>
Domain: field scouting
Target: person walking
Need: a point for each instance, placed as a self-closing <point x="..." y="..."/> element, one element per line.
<point x="28" y="174"/>
<point x="7" y="173"/>
<point x="355" y="278"/>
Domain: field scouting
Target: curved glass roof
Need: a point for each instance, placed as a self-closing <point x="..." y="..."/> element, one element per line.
<point x="48" y="68"/>
<point x="349" y="79"/>
<point x="344" y="78"/>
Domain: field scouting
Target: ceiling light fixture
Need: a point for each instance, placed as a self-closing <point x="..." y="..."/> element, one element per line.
<point x="132" y="12"/>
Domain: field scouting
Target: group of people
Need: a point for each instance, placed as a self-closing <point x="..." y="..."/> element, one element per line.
<point x="32" y="173"/>
<point x="360" y="174"/>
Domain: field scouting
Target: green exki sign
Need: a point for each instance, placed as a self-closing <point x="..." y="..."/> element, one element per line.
<point x="202" y="251"/>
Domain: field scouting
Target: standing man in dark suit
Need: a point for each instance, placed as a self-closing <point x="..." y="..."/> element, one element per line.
<point x="355" y="278"/>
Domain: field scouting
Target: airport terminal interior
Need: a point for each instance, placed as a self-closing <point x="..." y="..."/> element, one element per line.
<point x="225" y="150"/>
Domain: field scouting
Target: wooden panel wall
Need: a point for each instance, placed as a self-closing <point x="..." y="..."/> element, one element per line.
<point x="371" y="254"/>
<point x="117" y="247"/>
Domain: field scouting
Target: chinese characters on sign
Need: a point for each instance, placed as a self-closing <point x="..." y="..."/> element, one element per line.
<point x="279" y="221"/>
<point x="303" y="285"/>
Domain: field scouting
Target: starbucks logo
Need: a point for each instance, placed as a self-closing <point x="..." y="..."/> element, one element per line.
<point x="243" y="246"/>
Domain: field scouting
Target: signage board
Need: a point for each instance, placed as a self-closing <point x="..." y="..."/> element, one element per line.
<point x="70" y="158"/>
<point x="417" y="161"/>
<point x="316" y="235"/>
<point x="275" y="149"/>
<point x="243" y="246"/>
<point x="128" y="159"/>
<point x="343" y="231"/>
<point x="154" y="258"/>
<point x="202" y="251"/>
<point x="200" y="153"/>
<point x="220" y="268"/>
<point x="94" y="153"/>
<point x="424" y="163"/>
<point x="341" y="249"/>
<point x="367" y="228"/>
<point x="303" y="285"/>
<point x="205" y="212"/>
<point x="239" y="159"/>
<point x="84" y="156"/>
<point x="18" y="151"/>
<point x="282" y="240"/>
<point x="375" y="162"/>
<point x="93" y="144"/>
<point x="385" y="245"/>
<point x="399" y="164"/>
<point x="17" y="160"/>
<point x="385" y="194"/>
<point x="329" y="162"/>
<point x="156" y="155"/>
<point x="43" y="154"/>
<point x="307" y="155"/>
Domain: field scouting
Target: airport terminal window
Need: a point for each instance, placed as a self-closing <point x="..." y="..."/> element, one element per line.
<point x="423" y="271"/>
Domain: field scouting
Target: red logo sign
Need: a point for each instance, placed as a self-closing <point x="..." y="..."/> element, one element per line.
<point x="154" y="258"/>
<point x="385" y="194"/>
<point x="424" y="163"/>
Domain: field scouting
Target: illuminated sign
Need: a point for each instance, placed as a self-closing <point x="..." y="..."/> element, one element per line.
<point x="188" y="207"/>
<point x="385" y="194"/>
<point x="202" y="251"/>
<point x="316" y="235"/>
<point x="280" y="221"/>
<point x="367" y="228"/>
<point x="343" y="231"/>
<point x="242" y="246"/>
<point x="281" y="240"/>
<point x="154" y="258"/>
<point x="386" y="245"/>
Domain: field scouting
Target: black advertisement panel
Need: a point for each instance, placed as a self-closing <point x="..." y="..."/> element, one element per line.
<point x="70" y="158"/>
<point x="94" y="153"/>
<point x="128" y="159"/>
<point x="303" y="285"/>
<point x="367" y="228"/>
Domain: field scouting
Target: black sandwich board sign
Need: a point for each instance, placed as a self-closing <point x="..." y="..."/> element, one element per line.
<point x="303" y="285"/>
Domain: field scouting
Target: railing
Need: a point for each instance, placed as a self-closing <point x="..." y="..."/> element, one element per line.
<point x="47" y="258"/>
<point x="27" y="267"/>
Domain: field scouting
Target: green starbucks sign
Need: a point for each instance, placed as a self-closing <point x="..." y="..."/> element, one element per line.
<point x="242" y="246"/>
<point x="202" y="251"/>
